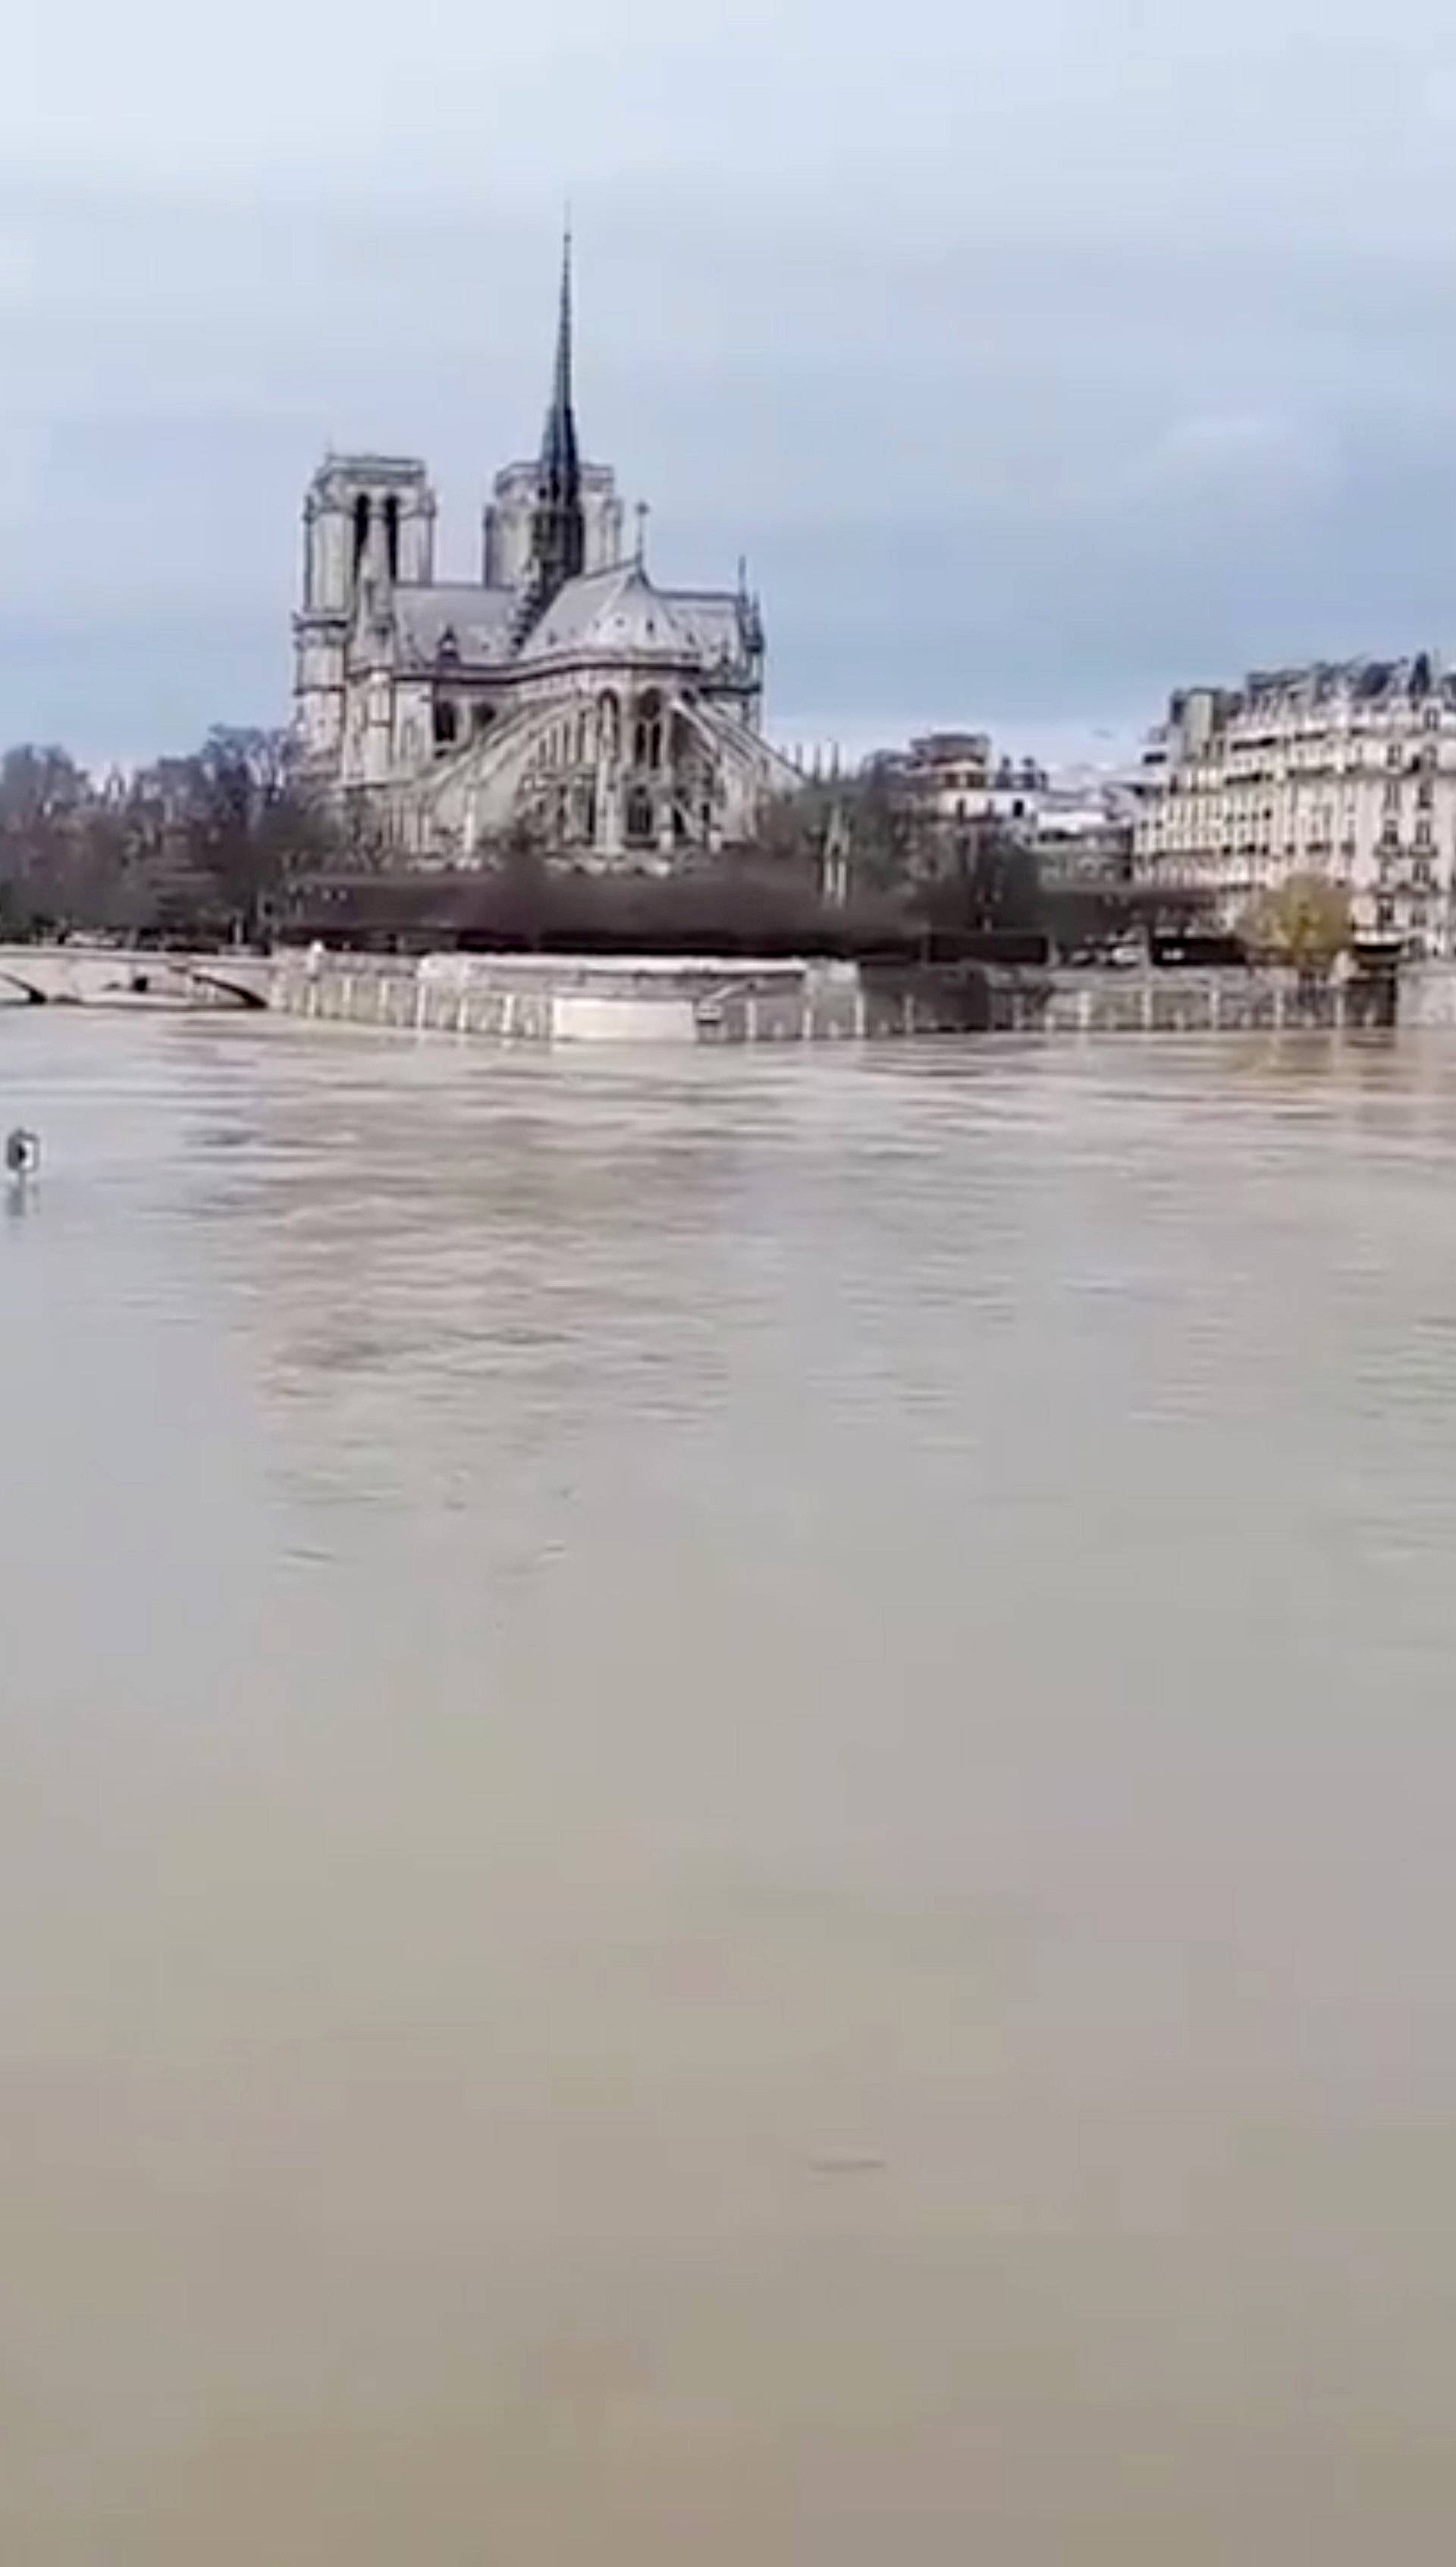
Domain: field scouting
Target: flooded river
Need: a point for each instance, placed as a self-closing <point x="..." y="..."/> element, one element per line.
<point x="726" y="1803"/>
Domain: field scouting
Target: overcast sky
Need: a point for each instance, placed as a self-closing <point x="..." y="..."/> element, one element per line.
<point x="1040" y="357"/>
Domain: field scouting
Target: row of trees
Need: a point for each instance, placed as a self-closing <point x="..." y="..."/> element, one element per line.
<point x="224" y="845"/>
<point x="203" y="846"/>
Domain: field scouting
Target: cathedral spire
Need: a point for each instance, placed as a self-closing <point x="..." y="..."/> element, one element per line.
<point x="561" y="425"/>
<point x="559" y="526"/>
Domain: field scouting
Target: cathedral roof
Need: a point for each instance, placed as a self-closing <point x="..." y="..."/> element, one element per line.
<point x="611" y="612"/>
<point x="711" y="618"/>
<point x="615" y="613"/>
<point x="476" y="621"/>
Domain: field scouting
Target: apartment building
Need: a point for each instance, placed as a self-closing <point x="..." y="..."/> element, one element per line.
<point x="1342" y="769"/>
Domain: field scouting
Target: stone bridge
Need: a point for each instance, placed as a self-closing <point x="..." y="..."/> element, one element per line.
<point x="94" y="976"/>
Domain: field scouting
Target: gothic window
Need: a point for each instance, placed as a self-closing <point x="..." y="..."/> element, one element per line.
<point x="481" y="718"/>
<point x="639" y="815"/>
<point x="361" y="526"/>
<point x="391" y="533"/>
<point x="647" y="738"/>
<point x="446" y="722"/>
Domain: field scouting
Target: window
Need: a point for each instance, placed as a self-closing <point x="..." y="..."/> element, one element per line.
<point x="1425" y="795"/>
<point x="1423" y="833"/>
<point x="647" y="733"/>
<point x="446" y="722"/>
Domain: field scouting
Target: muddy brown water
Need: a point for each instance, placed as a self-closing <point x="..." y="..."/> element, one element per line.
<point x="726" y="1803"/>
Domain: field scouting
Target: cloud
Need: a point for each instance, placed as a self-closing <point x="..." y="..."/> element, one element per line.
<point x="1250" y="458"/>
<point x="1039" y="357"/>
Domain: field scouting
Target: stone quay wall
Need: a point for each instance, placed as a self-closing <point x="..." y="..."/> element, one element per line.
<point x="544" y="999"/>
<point x="1428" y="995"/>
<point x="541" y="999"/>
<point x="1240" y="1001"/>
<point x="407" y="997"/>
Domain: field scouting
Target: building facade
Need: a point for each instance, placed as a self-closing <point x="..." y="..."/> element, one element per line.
<point x="1085" y="835"/>
<point x="954" y="790"/>
<point x="1343" y="771"/>
<point x="947" y="781"/>
<point x="562" y="694"/>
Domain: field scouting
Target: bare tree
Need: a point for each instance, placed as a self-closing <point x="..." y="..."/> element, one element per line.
<point x="251" y="827"/>
<point x="41" y="794"/>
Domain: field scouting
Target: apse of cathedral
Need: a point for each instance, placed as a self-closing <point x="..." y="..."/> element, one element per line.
<point x="562" y="689"/>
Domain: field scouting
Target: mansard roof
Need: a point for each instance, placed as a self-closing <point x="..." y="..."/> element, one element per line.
<point x="1365" y="682"/>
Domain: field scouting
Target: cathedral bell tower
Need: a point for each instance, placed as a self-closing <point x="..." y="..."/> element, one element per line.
<point x="359" y="507"/>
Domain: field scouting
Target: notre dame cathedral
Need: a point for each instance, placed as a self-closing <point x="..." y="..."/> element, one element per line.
<point x="621" y="723"/>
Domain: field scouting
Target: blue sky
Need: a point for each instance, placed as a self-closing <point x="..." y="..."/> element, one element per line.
<point x="1040" y="359"/>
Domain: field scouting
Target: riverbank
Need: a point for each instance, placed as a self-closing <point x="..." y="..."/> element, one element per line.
<point x="566" y="999"/>
<point x="646" y="998"/>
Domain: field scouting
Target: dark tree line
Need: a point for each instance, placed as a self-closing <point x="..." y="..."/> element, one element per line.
<point x="199" y="847"/>
<point x="225" y="846"/>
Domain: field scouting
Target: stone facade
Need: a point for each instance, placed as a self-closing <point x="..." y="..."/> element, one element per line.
<point x="560" y="692"/>
<point x="1345" y="770"/>
<point x="955" y="790"/>
<point x="951" y="782"/>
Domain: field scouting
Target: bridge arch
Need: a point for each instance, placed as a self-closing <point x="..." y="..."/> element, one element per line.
<point x="33" y="996"/>
<point x="242" y="991"/>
